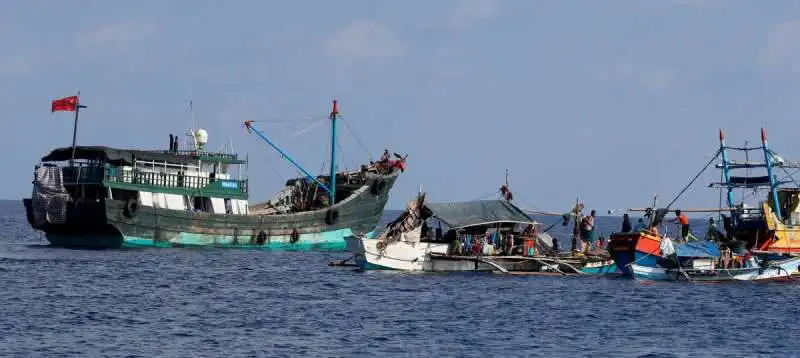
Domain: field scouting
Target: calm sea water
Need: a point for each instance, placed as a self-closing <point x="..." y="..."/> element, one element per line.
<point x="225" y="303"/>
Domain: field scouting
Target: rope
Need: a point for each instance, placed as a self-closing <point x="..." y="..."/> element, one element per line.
<point x="306" y="129"/>
<point x="358" y="140"/>
<point x="693" y="179"/>
<point x="286" y="120"/>
<point x="486" y="196"/>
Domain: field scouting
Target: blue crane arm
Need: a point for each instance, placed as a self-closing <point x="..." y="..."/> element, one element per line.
<point x="250" y="128"/>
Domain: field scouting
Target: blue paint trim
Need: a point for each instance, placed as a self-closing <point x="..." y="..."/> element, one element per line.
<point x="601" y="270"/>
<point x="772" y="184"/>
<point x="643" y="259"/>
<point x="367" y="266"/>
<point x="283" y="154"/>
<point x="325" y="241"/>
<point x="727" y="174"/>
<point x="661" y="275"/>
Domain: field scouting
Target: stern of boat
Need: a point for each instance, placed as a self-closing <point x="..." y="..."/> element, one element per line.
<point x="622" y="248"/>
<point x="66" y="221"/>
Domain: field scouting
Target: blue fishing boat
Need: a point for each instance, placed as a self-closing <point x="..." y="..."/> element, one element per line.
<point x="758" y="244"/>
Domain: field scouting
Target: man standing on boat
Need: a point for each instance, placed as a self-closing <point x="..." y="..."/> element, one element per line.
<point x="626" y="223"/>
<point x="684" y="221"/>
<point x="587" y="231"/>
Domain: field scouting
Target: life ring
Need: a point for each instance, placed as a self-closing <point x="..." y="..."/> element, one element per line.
<point x="377" y="187"/>
<point x="332" y="216"/>
<point x="295" y="236"/>
<point x="131" y="208"/>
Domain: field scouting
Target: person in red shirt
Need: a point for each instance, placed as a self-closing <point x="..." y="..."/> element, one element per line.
<point x="684" y="221"/>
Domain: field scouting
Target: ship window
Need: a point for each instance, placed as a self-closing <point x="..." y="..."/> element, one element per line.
<point x="201" y="204"/>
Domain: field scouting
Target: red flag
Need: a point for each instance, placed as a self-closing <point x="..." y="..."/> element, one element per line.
<point x="65" y="104"/>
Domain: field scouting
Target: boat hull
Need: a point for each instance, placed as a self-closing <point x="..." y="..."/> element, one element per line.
<point x="600" y="268"/>
<point x="776" y="271"/>
<point x="629" y="249"/>
<point x="432" y="257"/>
<point x="398" y="256"/>
<point x="105" y="224"/>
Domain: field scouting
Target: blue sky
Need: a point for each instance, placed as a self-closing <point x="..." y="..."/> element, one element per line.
<point x="611" y="101"/>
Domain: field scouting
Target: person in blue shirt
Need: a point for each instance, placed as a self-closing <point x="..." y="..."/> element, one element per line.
<point x="640" y="226"/>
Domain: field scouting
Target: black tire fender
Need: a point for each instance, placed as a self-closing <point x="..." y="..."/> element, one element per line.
<point x="295" y="236"/>
<point x="332" y="216"/>
<point x="131" y="208"/>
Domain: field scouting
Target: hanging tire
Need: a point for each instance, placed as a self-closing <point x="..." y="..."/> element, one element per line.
<point x="262" y="238"/>
<point x="377" y="186"/>
<point x="131" y="208"/>
<point x="332" y="216"/>
<point x="295" y="236"/>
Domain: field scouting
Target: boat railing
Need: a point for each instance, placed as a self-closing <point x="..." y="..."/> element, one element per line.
<point x="83" y="174"/>
<point x="198" y="153"/>
<point x="94" y="174"/>
<point x="174" y="180"/>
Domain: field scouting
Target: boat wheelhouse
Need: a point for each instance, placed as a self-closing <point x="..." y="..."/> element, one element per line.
<point x="772" y="224"/>
<point x="103" y="197"/>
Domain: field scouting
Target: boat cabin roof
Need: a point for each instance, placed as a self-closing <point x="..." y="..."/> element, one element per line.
<point x="475" y="213"/>
<point x="117" y="156"/>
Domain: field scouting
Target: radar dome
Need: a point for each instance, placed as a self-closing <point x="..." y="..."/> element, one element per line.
<point x="201" y="136"/>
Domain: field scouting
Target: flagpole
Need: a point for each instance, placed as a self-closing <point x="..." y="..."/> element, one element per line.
<point x="75" y="129"/>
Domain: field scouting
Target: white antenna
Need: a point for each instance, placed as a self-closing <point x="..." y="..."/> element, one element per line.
<point x="191" y="113"/>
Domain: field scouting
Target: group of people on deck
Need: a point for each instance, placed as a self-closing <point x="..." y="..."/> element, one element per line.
<point x="494" y="242"/>
<point x="488" y="244"/>
<point x="680" y="219"/>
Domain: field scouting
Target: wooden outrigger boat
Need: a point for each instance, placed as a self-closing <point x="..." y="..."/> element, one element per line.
<point x="763" y="242"/>
<point x="485" y="235"/>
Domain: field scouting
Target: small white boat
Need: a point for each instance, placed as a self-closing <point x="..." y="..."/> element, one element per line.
<point x="486" y="235"/>
<point x="407" y="254"/>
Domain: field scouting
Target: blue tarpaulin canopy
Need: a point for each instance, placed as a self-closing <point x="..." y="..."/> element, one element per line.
<point x="697" y="249"/>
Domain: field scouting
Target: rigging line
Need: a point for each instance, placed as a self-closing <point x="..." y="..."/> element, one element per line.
<point x="746" y="160"/>
<point x="274" y="169"/>
<point x="313" y="146"/>
<point x="790" y="176"/>
<point x="528" y="203"/>
<point x="358" y="140"/>
<point x="341" y="158"/>
<point x="307" y="128"/>
<point x="693" y="179"/>
<point x="486" y="196"/>
<point x="288" y="120"/>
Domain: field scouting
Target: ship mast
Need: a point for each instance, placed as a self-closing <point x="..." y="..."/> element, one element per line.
<point x="334" y="114"/>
